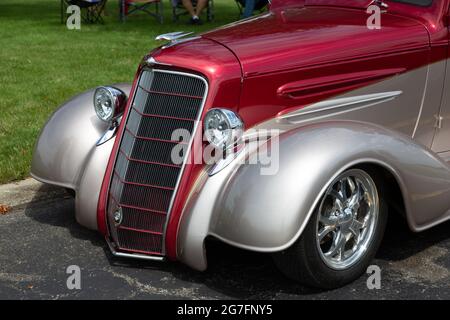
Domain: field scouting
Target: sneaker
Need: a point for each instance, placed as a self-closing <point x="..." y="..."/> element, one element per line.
<point x="195" y="21"/>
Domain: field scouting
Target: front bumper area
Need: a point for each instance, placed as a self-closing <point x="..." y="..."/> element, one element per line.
<point x="131" y="255"/>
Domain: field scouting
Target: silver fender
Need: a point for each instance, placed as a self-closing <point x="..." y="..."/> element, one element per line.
<point x="268" y="213"/>
<point x="66" y="154"/>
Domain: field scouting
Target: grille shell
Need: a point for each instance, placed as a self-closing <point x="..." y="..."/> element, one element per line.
<point x="145" y="178"/>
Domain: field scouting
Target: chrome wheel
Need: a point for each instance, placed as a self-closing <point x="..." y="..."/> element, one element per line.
<point x="347" y="218"/>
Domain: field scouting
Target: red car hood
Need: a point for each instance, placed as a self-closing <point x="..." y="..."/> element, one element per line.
<point x="340" y="3"/>
<point x="299" y="36"/>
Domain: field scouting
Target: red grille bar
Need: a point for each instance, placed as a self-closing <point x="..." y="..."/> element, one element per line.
<point x="145" y="179"/>
<point x="162" y="117"/>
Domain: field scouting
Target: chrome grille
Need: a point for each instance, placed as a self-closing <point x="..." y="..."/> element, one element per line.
<point x="145" y="179"/>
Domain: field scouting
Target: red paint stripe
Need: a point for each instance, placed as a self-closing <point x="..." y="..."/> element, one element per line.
<point x="299" y="89"/>
<point x="140" y="230"/>
<point x="161" y="116"/>
<point x="136" y="208"/>
<point x="150" y="162"/>
<point x="172" y="94"/>
<point x="104" y="190"/>
<point x="142" y="252"/>
<point x="142" y="184"/>
<point x="154" y="139"/>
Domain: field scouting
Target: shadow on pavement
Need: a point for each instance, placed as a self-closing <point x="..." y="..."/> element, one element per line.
<point x="233" y="272"/>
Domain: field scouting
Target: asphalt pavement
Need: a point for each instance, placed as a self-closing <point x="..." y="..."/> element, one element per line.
<point x="40" y="239"/>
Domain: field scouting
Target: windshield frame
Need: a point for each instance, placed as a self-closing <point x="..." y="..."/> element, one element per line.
<point x="408" y="2"/>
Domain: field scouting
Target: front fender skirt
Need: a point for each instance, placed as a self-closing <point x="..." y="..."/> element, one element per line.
<point x="66" y="154"/>
<point x="267" y="213"/>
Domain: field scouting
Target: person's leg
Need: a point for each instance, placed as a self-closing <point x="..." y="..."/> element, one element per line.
<point x="189" y="7"/>
<point x="201" y="4"/>
<point x="249" y="8"/>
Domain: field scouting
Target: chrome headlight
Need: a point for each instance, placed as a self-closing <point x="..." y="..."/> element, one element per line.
<point x="109" y="103"/>
<point x="223" y="128"/>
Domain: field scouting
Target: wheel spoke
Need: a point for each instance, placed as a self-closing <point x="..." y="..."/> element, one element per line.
<point x="325" y="231"/>
<point x="351" y="185"/>
<point x="328" y="221"/>
<point x="355" y="229"/>
<point x="346" y="215"/>
<point x="338" y="246"/>
<point x="342" y="191"/>
<point x="338" y="200"/>
<point x="355" y="198"/>
<point x="366" y="221"/>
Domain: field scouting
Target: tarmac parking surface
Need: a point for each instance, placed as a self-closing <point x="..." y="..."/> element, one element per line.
<point x="40" y="239"/>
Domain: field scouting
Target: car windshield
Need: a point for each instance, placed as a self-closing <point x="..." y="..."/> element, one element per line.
<point x="422" y="3"/>
<point x="360" y="3"/>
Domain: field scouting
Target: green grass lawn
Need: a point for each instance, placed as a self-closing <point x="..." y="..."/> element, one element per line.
<point x="42" y="64"/>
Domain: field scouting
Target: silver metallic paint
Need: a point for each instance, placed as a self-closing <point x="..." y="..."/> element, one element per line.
<point x="341" y="105"/>
<point x="268" y="213"/>
<point x="441" y="141"/>
<point x="66" y="153"/>
<point x="374" y="125"/>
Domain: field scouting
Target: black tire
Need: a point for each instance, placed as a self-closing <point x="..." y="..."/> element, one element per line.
<point x="302" y="261"/>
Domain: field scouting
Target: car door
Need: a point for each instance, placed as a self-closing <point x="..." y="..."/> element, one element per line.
<point x="441" y="142"/>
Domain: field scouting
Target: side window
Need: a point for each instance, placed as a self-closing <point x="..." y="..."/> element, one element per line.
<point x="422" y="3"/>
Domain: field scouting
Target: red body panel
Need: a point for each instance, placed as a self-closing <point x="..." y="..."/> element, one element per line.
<point x="303" y="37"/>
<point x="318" y="52"/>
<point x="223" y="73"/>
<point x="362" y="4"/>
<point x="299" y="53"/>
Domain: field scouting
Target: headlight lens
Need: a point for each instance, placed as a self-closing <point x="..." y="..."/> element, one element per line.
<point x="223" y="128"/>
<point x="109" y="103"/>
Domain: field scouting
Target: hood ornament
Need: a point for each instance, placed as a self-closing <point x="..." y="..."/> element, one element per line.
<point x="175" y="38"/>
<point x="172" y="36"/>
<point x="380" y="3"/>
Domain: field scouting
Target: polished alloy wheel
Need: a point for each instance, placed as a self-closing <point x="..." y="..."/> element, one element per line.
<point x="347" y="219"/>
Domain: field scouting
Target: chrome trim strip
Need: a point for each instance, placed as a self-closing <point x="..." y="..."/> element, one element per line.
<point x="343" y="104"/>
<point x="131" y="255"/>
<point x="422" y="103"/>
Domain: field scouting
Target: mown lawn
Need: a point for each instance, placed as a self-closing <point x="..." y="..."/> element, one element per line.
<point x="42" y="64"/>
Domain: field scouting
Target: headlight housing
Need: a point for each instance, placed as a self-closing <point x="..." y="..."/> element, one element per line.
<point x="223" y="128"/>
<point x="109" y="103"/>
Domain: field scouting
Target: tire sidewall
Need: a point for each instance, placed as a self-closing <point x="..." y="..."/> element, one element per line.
<point x="327" y="277"/>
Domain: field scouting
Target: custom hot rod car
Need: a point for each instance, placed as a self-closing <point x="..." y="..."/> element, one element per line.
<point x="360" y="116"/>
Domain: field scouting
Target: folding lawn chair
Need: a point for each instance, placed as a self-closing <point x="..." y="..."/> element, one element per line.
<point x="91" y="10"/>
<point x="128" y="7"/>
<point x="179" y="10"/>
<point x="260" y="5"/>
